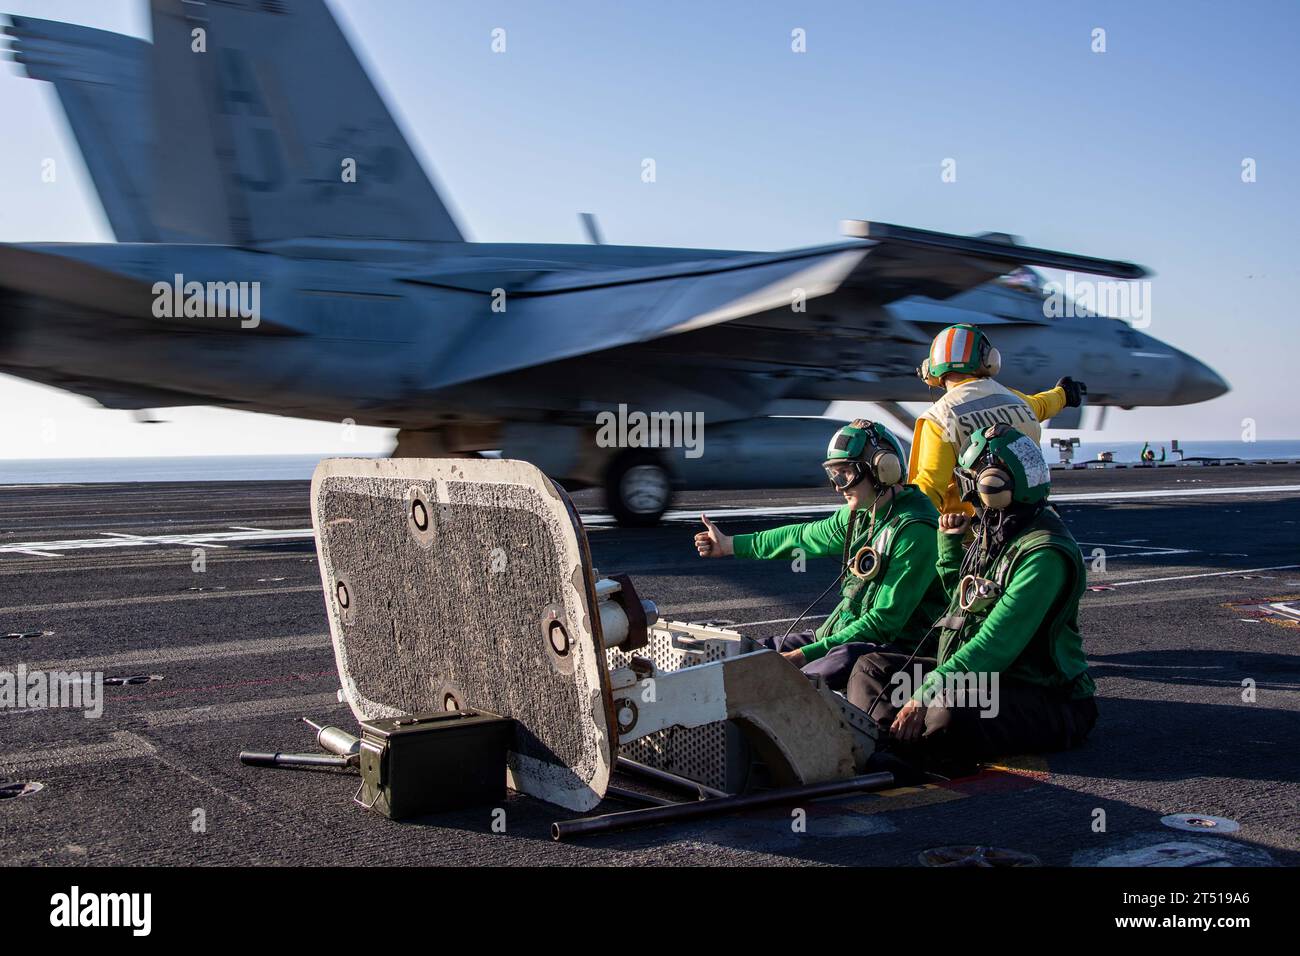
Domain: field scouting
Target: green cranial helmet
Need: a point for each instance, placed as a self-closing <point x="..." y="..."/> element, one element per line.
<point x="1002" y="447"/>
<point x="959" y="348"/>
<point x="872" y="447"/>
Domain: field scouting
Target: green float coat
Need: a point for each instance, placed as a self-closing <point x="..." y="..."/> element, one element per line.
<point x="906" y="596"/>
<point x="1032" y="632"/>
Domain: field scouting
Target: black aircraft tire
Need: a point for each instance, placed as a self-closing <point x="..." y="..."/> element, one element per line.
<point x="638" y="488"/>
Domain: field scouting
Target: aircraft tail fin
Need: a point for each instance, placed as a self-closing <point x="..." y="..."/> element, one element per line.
<point x="101" y="79"/>
<point x="271" y="129"/>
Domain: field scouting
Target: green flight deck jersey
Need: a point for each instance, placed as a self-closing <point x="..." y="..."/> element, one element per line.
<point x="1031" y="633"/>
<point x="898" y="605"/>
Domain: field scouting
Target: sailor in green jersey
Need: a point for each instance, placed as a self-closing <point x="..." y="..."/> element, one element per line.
<point x="885" y="536"/>
<point x="1010" y="674"/>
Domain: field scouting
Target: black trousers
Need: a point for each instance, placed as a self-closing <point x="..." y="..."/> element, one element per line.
<point x="1020" y="717"/>
<point x="833" y="667"/>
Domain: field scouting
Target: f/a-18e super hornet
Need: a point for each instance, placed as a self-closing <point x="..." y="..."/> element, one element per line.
<point x="280" y="249"/>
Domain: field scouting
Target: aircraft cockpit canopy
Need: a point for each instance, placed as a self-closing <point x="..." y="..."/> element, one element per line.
<point x="1022" y="279"/>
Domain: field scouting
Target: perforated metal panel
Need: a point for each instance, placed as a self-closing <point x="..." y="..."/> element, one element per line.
<point x="716" y="754"/>
<point x="453" y="583"/>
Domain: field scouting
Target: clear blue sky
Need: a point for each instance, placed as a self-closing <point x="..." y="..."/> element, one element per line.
<point x="1134" y="153"/>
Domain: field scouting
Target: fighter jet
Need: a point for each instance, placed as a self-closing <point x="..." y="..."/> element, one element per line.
<point x="280" y="249"/>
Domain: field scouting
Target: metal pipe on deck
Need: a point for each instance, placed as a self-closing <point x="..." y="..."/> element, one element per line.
<point x="671" y="779"/>
<point x="627" y="819"/>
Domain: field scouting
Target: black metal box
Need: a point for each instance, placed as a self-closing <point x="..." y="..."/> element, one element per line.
<point x="424" y="763"/>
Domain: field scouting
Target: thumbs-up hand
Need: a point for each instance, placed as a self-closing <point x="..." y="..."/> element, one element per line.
<point x="711" y="542"/>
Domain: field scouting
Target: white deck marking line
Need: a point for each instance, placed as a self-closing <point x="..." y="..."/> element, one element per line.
<point x="1207" y="574"/>
<point x="1152" y="551"/>
<point x="1144" y="554"/>
<point x="193" y="652"/>
<point x="115" y="540"/>
<point x="1173" y="493"/>
<point x="1153" y="548"/>
<point x="146" y="539"/>
<point x="240" y="527"/>
<point x="1284" y="608"/>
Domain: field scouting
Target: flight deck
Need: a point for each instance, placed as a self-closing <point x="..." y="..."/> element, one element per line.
<point x="1191" y="632"/>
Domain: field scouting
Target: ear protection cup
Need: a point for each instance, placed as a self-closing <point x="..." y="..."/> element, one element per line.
<point x="865" y="564"/>
<point x="995" y="487"/>
<point x="923" y="373"/>
<point x="884" y="462"/>
<point x="992" y="362"/>
<point x="888" y="469"/>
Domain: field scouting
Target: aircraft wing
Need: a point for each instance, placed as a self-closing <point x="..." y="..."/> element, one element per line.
<point x="563" y="314"/>
<point x="44" y="273"/>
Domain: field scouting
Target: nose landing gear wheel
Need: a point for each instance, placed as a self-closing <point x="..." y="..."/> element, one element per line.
<point x="638" y="489"/>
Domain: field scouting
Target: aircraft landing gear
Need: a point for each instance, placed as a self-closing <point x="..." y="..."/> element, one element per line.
<point x="638" y="488"/>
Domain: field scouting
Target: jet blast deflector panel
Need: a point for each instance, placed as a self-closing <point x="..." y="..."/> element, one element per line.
<point x="466" y="583"/>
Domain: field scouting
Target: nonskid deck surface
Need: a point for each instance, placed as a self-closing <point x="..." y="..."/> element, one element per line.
<point x="1197" y="608"/>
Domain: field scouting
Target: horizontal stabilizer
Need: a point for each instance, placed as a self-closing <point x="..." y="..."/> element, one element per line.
<point x="999" y="249"/>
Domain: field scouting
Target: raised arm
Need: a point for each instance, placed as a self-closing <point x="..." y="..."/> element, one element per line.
<point x="816" y="539"/>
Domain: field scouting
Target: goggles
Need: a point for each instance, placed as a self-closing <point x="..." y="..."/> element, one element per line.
<point x="844" y="478"/>
<point x="967" y="484"/>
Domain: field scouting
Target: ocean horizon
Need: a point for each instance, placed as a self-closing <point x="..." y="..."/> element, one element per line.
<point x="44" y="471"/>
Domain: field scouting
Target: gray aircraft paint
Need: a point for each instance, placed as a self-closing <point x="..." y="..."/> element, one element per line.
<point x="375" y="310"/>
